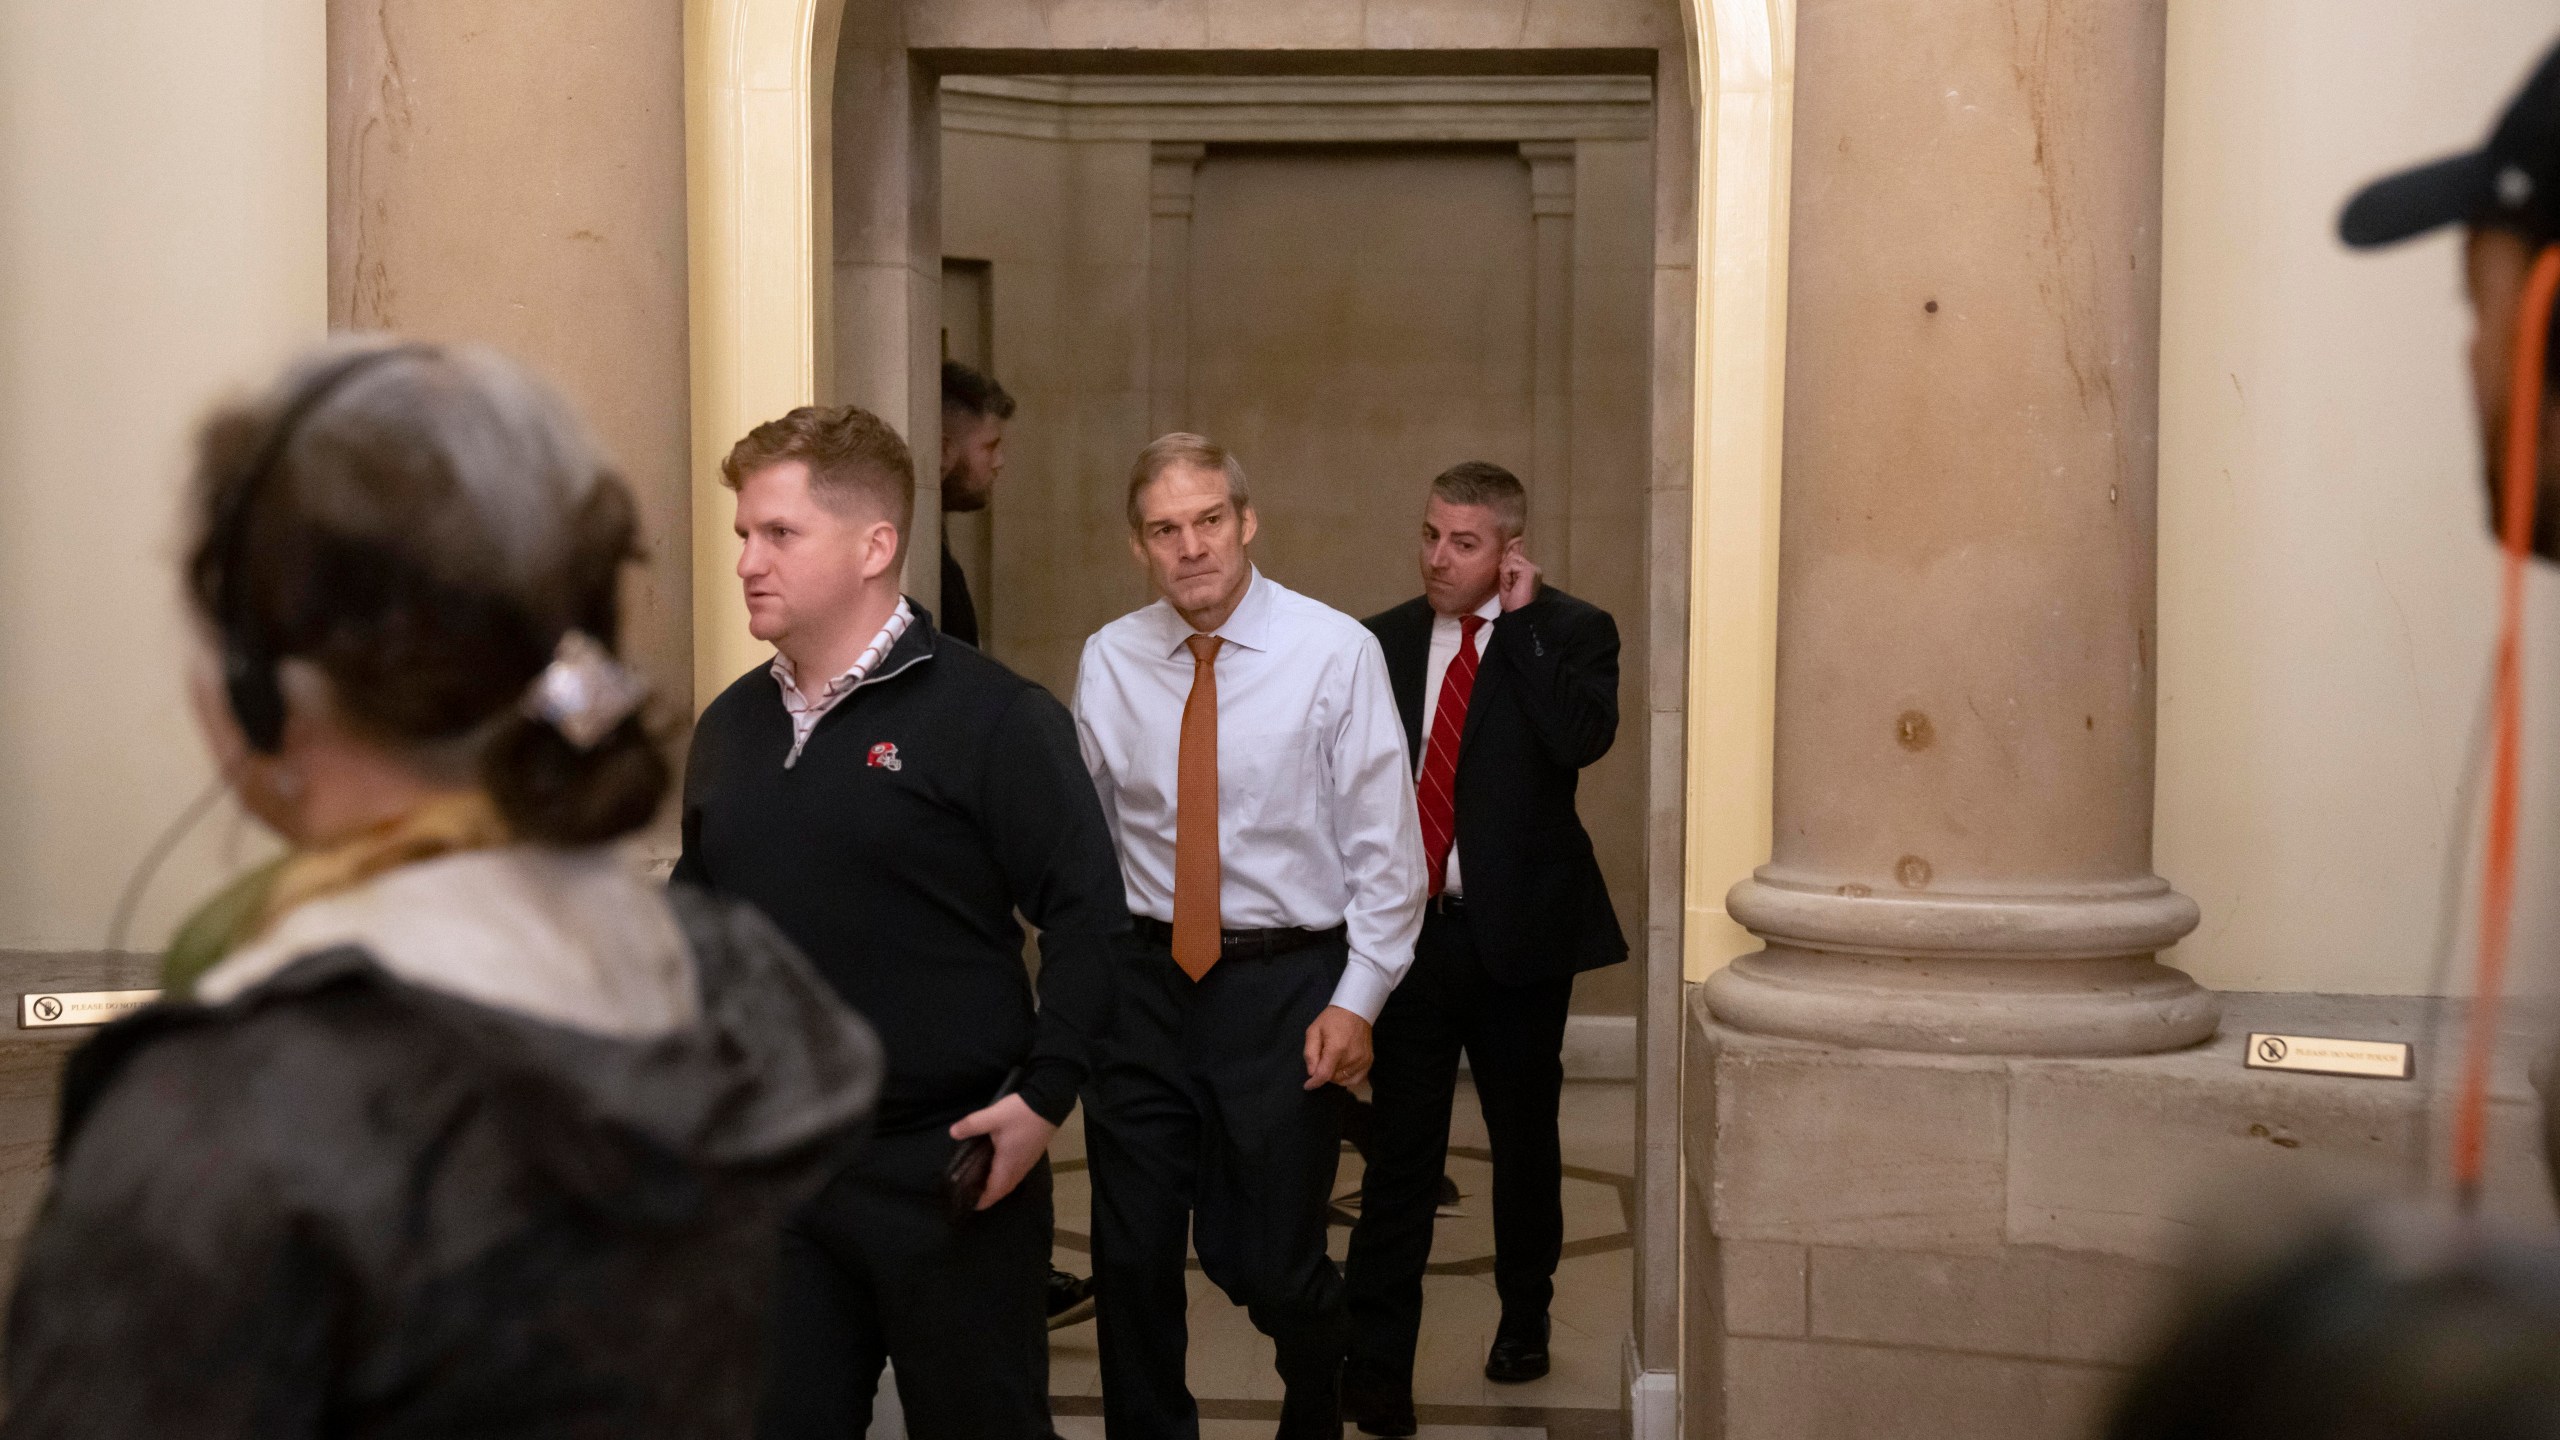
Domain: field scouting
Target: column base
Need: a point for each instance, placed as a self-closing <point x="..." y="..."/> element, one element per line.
<point x="2056" y="974"/>
<point x="2130" y="1005"/>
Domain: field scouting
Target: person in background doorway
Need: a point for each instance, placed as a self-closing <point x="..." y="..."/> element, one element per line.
<point x="454" y="1123"/>
<point x="974" y="411"/>
<point x="1246" y="749"/>
<point x="893" y="800"/>
<point x="1508" y="689"/>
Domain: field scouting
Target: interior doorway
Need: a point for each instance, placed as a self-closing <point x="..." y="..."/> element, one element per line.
<point x="1353" y="293"/>
<point x="814" y="201"/>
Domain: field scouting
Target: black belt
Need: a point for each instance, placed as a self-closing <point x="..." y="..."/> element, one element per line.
<point x="1445" y="903"/>
<point x="1247" y="944"/>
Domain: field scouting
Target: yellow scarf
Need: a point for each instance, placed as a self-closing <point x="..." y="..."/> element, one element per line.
<point x="250" y="906"/>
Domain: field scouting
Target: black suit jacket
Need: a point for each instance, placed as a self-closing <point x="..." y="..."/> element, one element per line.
<point x="1545" y="705"/>
<point x="959" y="615"/>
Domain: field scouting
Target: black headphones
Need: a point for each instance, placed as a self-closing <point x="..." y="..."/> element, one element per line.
<point x="249" y="661"/>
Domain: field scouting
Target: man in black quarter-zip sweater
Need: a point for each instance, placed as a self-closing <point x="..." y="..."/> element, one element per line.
<point x="891" y="800"/>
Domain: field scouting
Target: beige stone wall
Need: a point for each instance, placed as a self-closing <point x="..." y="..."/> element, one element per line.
<point x="1351" y="321"/>
<point x="187" y="203"/>
<point x="499" y="176"/>
<point x="2326" y="578"/>
<point x="1359" y="322"/>
<point x="1063" y="227"/>
<point x="162" y="223"/>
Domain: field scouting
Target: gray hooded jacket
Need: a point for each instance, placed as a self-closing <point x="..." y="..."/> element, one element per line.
<point x="341" y="1203"/>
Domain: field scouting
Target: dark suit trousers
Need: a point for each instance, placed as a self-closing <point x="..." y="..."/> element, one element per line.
<point x="1198" y="1123"/>
<point x="876" y="1270"/>
<point x="1513" y="1036"/>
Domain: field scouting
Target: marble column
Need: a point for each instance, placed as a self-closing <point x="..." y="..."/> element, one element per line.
<point x="885" y="173"/>
<point x="1173" y="174"/>
<point x="1961" y="855"/>
<point x="1551" y="191"/>
<point x="514" y="174"/>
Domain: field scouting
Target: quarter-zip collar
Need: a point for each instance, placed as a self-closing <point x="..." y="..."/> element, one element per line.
<point x="910" y="650"/>
<point x="915" y="647"/>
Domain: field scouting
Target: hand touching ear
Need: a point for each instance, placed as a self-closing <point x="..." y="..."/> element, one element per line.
<point x="1518" y="576"/>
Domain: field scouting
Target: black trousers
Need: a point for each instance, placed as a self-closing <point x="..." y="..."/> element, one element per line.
<point x="1513" y="1036"/>
<point x="876" y="1270"/>
<point x="1198" y="1122"/>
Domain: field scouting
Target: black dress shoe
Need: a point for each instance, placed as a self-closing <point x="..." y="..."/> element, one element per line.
<point x="1070" y="1299"/>
<point x="1519" y="1352"/>
<point x="1377" y="1408"/>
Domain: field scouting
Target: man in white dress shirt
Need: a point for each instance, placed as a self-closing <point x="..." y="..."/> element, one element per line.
<point x="1252" y="766"/>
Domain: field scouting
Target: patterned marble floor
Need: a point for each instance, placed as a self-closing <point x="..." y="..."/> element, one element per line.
<point x="1231" y="1363"/>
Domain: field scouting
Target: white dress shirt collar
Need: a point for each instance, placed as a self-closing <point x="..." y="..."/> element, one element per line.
<point x="807" y="710"/>
<point x="1317" y="820"/>
<point x="1490" y="610"/>
<point x="1248" y="625"/>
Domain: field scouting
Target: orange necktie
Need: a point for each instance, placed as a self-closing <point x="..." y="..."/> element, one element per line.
<point x="1195" y="817"/>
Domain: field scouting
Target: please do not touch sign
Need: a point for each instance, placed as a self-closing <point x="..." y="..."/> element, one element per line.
<point x="2324" y="1055"/>
<point x="52" y="1008"/>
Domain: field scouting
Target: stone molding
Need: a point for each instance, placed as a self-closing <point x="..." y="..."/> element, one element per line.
<point x="2127" y="1005"/>
<point x="2135" y="916"/>
<point x="36" y="971"/>
<point x="2069" y="972"/>
<point x="1301" y="110"/>
<point x="1172" y="181"/>
<point x="1552" y="180"/>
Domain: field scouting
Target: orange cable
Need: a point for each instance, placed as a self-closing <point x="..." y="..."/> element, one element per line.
<point x="2519" y="485"/>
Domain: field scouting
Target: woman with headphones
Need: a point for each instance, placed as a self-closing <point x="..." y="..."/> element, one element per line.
<point x="453" y="1123"/>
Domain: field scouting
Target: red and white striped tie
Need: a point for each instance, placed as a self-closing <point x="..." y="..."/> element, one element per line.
<point x="1437" y="788"/>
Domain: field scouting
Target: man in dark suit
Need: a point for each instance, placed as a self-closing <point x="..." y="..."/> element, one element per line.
<point x="974" y="411"/>
<point x="1508" y="689"/>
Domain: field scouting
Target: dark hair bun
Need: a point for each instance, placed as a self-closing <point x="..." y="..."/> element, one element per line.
<point x="425" y="535"/>
<point x="553" y="793"/>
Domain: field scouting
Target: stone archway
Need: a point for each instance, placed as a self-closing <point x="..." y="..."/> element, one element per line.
<point x="761" y="110"/>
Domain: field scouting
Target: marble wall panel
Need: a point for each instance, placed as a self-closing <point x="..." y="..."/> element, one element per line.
<point x="1348" y="350"/>
<point x="496" y="175"/>
<point x="1766" y="1290"/>
<point x="2024" y="1300"/>
<point x="1813" y="1390"/>
<point x="2136" y="1169"/>
<point x="1823" y="1147"/>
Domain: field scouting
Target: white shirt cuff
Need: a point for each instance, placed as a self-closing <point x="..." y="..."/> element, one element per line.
<point x="1362" y="990"/>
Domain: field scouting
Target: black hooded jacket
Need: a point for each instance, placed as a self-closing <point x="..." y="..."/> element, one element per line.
<point x="345" y="1205"/>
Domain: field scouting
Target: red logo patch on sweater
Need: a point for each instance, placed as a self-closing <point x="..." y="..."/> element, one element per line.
<point x="884" y="756"/>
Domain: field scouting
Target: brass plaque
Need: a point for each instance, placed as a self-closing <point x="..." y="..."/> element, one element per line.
<point x="2322" y="1055"/>
<point x="79" y="1007"/>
